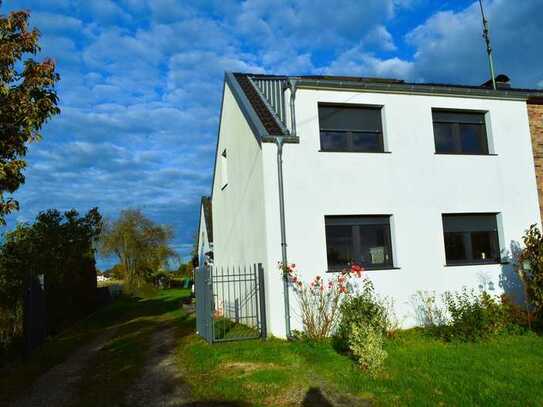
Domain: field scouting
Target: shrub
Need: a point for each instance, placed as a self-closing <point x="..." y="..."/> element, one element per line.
<point x="428" y="312"/>
<point x="366" y="345"/>
<point x="474" y="317"/>
<point x="362" y="309"/>
<point x="531" y="269"/>
<point x="320" y="300"/>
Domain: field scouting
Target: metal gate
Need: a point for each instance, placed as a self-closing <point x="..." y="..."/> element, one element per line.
<point x="230" y="303"/>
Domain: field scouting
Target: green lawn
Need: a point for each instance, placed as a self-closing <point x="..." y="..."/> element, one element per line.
<point x="419" y="371"/>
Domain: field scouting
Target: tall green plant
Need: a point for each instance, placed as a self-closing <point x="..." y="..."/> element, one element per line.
<point x="530" y="269"/>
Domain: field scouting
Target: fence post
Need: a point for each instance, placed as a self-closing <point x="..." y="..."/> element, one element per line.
<point x="262" y="298"/>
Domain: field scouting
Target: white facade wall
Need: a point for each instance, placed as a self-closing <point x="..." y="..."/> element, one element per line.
<point x="238" y="208"/>
<point x="411" y="183"/>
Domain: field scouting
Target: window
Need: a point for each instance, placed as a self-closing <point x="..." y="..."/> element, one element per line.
<point x="471" y="239"/>
<point x="224" y="170"/>
<point x="364" y="240"/>
<point x="458" y="132"/>
<point x="351" y="128"/>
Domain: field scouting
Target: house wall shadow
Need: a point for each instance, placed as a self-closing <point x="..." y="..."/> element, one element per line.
<point x="509" y="279"/>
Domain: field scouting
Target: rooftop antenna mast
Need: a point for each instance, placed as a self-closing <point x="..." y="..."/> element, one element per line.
<point x="486" y="36"/>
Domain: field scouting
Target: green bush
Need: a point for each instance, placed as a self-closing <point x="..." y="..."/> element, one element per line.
<point x="474" y="317"/>
<point x="531" y="271"/>
<point x="362" y="309"/>
<point x="366" y="345"/>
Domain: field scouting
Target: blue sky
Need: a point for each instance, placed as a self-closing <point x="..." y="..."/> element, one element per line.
<point x="141" y="82"/>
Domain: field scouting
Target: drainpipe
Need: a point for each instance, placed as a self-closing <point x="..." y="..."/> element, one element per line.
<point x="279" y="142"/>
<point x="292" y="85"/>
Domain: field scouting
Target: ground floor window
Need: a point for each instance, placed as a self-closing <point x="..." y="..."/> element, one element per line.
<point x="364" y="240"/>
<point x="471" y="238"/>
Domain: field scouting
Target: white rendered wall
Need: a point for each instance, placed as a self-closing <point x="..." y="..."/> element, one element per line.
<point x="412" y="183"/>
<point x="238" y="209"/>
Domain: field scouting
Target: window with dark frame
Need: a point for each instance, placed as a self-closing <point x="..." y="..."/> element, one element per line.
<point x="460" y="132"/>
<point x="351" y="128"/>
<point x="471" y="239"/>
<point x="363" y="240"/>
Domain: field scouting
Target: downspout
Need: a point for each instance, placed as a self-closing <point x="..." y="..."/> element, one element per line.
<point x="292" y="86"/>
<point x="279" y="142"/>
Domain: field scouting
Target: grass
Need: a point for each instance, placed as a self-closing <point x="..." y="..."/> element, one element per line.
<point x="419" y="371"/>
<point x="110" y="282"/>
<point x="116" y="365"/>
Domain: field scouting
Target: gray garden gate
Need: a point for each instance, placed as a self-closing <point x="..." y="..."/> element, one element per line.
<point x="230" y="303"/>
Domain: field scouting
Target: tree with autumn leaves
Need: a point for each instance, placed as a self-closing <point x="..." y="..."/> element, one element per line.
<point x="27" y="101"/>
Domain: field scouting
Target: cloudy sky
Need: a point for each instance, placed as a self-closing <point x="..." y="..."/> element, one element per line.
<point x="142" y="79"/>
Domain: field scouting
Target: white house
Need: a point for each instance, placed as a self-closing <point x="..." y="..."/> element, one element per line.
<point x="430" y="187"/>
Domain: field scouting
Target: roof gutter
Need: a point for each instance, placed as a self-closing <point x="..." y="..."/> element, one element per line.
<point x="421" y="89"/>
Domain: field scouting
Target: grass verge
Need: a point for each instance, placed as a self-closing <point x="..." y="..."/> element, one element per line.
<point x="420" y="371"/>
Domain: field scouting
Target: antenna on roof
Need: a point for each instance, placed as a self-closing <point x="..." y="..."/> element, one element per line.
<point x="486" y="36"/>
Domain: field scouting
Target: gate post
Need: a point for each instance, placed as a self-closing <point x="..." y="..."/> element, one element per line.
<point x="262" y="298"/>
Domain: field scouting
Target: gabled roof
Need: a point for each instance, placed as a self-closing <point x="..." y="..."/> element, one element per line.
<point x="261" y="97"/>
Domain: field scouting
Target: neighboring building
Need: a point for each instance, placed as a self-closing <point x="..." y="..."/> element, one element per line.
<point x="430" y="187"/>
<point x="205" y="233"/>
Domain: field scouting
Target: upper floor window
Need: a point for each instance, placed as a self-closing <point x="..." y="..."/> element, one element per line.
<point x="459" y="132"/>
<point x="471" y="238"/>
<point x="364" y="240"/>
<point x="351" y="128"/>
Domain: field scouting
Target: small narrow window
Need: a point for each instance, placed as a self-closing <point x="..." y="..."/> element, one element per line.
<point x="351" y="128"/>
<point x="224" y="170"/>
<point x="458" y="132"/>
<point x="471" y="239"/>
<point x="364" y="240"/>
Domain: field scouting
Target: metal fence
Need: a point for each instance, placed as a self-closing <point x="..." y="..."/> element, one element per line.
<point x="230" y="303"/>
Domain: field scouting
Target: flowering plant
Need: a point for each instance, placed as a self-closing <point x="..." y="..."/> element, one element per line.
<point x="320" y="299"/>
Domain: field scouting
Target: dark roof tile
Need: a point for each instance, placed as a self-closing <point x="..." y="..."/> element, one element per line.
<point x="266" y="117"/>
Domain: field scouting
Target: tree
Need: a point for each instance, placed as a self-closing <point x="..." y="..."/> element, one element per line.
<point x="116" y="272"/>
<point x="27" y="101"/>
<point x="185" y="269"/>
<point x="141" y="245"/>
<point x="61" y="247"/>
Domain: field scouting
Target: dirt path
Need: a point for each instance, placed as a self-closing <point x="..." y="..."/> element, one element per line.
<point x="161" y="383"/>
<point x="55" y="387"/>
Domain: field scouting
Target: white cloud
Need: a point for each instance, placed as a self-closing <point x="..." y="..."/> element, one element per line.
<point x="55" y="23"/>
<point x="356" y="62"/>
<point x="379" y="38"/>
